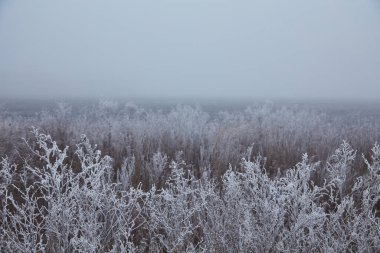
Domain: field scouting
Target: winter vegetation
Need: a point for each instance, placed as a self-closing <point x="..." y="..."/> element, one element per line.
<point x="124" y="178"/>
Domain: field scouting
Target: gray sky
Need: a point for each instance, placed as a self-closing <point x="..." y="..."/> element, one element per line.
<point x="168" y="48"/>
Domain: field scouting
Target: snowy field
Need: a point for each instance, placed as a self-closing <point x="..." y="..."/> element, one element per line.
<point x="189" y="176"/>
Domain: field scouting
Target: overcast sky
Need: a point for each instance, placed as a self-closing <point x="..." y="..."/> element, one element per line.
<point x="187" y="48"/>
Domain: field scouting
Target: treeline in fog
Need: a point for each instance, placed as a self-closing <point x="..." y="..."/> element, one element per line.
<point x="124" y="178"/>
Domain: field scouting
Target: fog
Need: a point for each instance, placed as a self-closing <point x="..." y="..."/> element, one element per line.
<point x="190" y="48"/>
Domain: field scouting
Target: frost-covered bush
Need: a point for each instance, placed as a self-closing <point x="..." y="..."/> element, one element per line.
<point x="255" y="213"/>
<point x="51" y="208"/>
<point x="86" y="202"/>
<point x="175" y="213"/>
<point x="258" y="214"/>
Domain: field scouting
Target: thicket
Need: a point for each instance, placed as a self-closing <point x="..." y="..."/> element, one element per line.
<point x="188" y="181"/>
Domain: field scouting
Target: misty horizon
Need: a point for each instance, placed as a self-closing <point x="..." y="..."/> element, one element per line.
<point x="190" y="49"/>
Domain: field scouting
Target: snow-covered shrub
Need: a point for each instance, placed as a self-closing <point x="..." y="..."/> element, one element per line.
<point x="174" y="213"/>
<point x="51" y="208"/>
<point x="290" y="213"/>
<point x="23" y="207"/>
<point x="339" y="167"/>
<point x="258" y="214"/>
